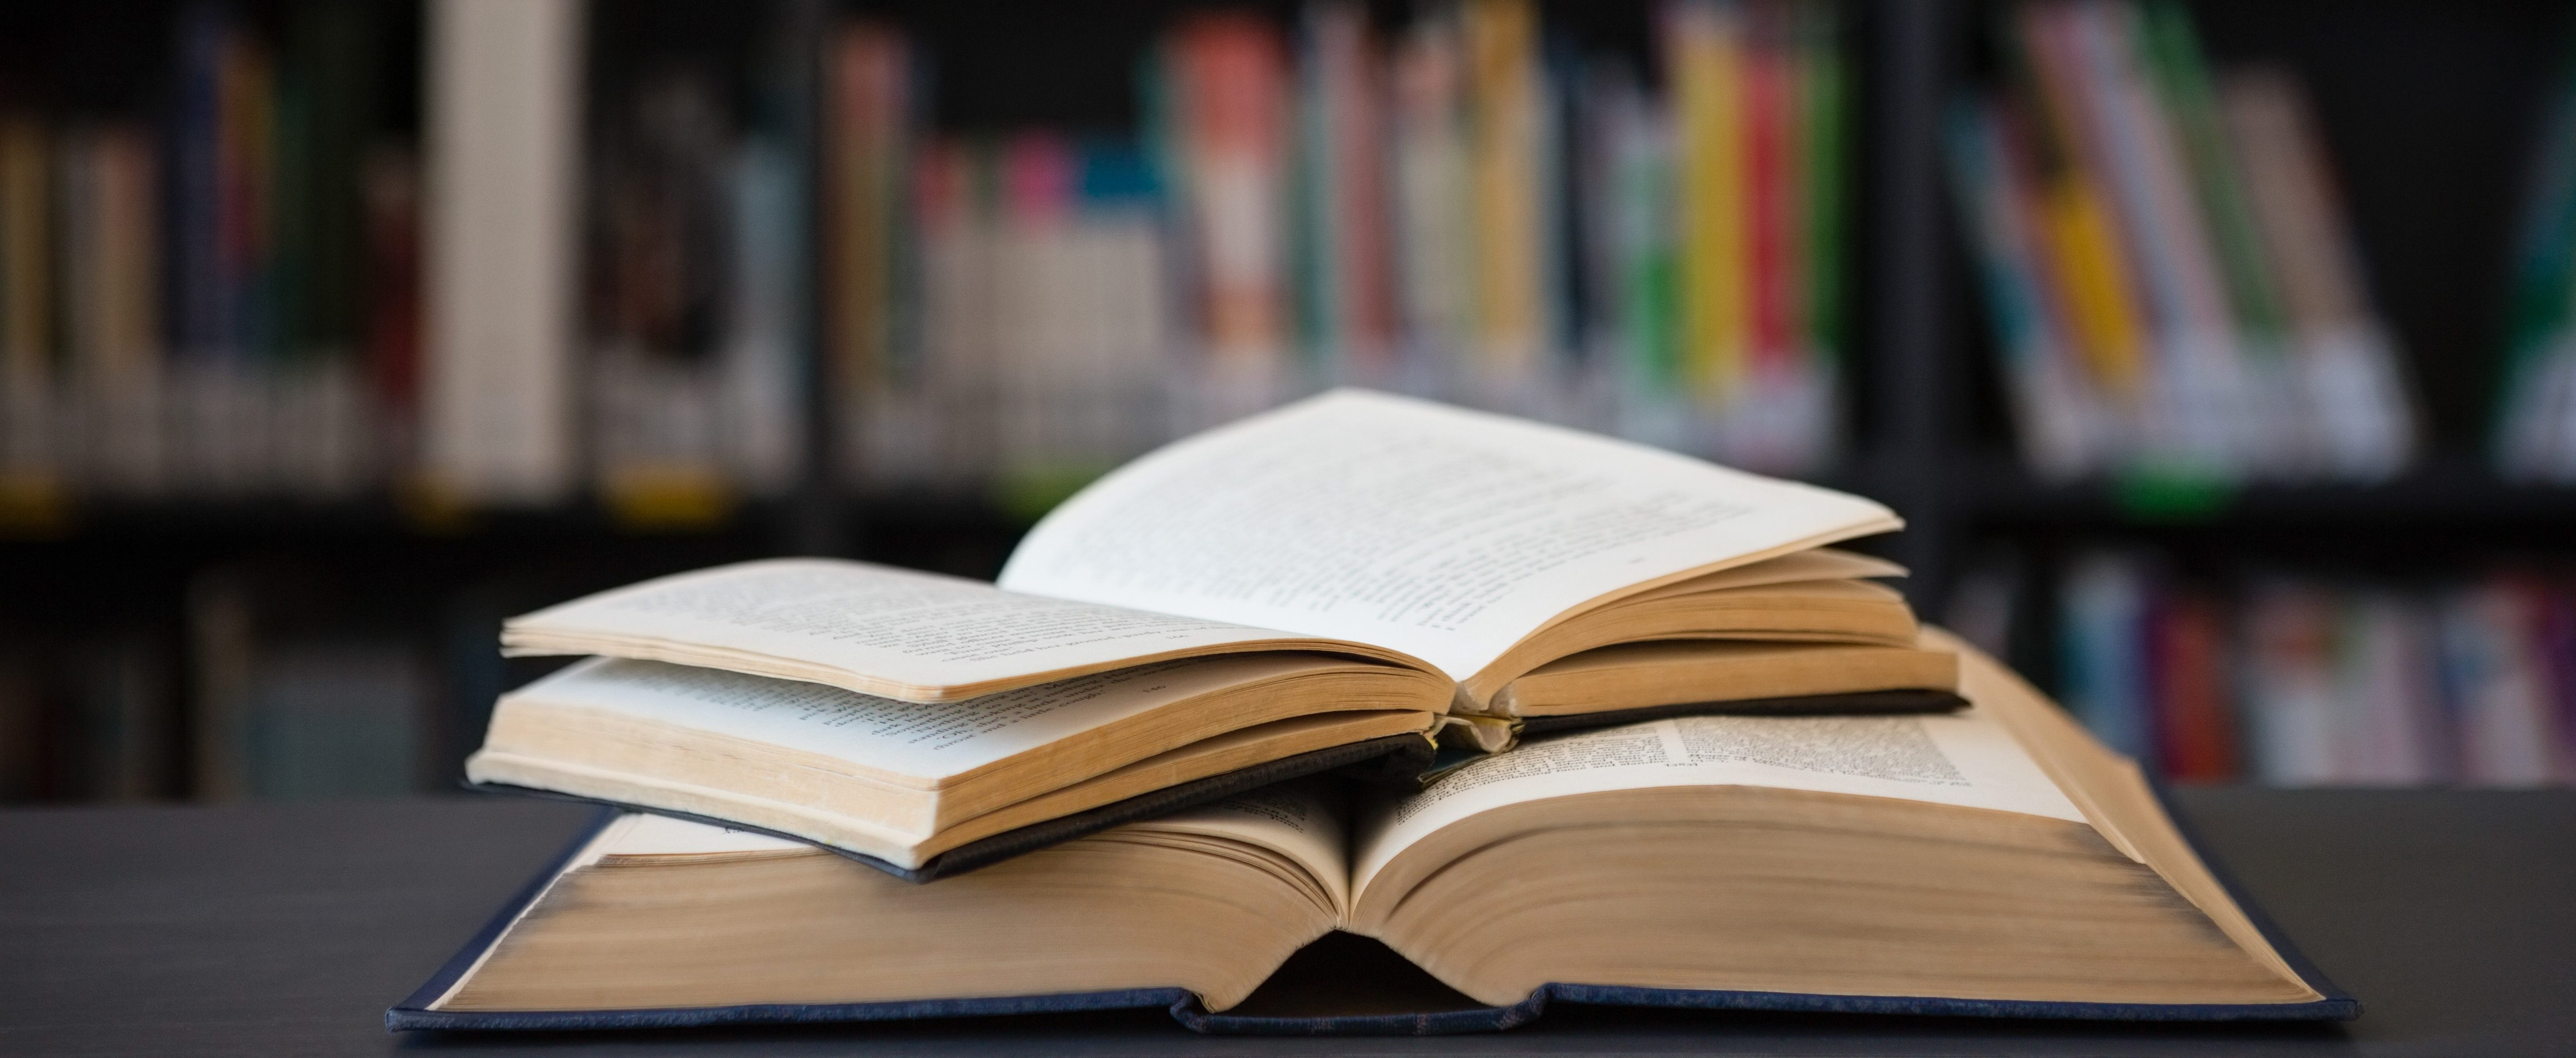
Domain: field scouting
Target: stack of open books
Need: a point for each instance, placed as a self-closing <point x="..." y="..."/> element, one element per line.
<point x="1550" y="715"/>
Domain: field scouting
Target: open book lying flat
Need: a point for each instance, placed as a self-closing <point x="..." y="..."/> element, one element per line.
<point x="1337" y="573"/>
<point x="1995" y="861"/>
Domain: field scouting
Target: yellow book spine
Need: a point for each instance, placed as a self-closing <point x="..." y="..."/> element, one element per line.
<point x="1706" y="39"/>
<point x="2094" y="282"/>
<point x="1502" y="49"/>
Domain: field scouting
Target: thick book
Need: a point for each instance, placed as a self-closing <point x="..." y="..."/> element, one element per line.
<point x="1991" y="862"/>
<point x="1347" y="569"/>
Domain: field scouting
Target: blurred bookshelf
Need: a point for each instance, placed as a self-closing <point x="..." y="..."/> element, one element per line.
<point x="776" y="328"/>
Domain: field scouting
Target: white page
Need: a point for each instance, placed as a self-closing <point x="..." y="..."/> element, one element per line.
<point x="861" y="626"/>
<point x="646" y="834"/>
<point x="893" y="739"/>
<point x="1967" y="759"/>
<point x="1443" y="533"/>
<point x="1291" y="819"/>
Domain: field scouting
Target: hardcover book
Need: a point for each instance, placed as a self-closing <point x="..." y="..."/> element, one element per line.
<point x="1994" y="861"/>
<point x="1356" y="570"/>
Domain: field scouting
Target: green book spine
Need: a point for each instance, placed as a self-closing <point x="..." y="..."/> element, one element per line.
<point x="2180" y="75"/>
<point x="2541" y="287"/>
<point x="1822" y="90"/>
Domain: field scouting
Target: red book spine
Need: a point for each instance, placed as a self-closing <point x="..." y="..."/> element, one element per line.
<point x="392" y="197"/>
<point x="1232" y="78"/>
<point x="1767" y="101"/>
<point x="2196" y="728"/>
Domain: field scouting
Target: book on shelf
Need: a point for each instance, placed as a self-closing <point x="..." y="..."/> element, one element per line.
<point x="2294" y="680"/>
<point x="1710" y="862"/>
<point x="585" y="266"/>
<point x="2535" y="408"/>
<point x="297" y="690"/>
<point x="2166" y="265"/>
<point x="1355" y="570"/>
<point x="503" y="87"/>
<point x="1428" y="211"/>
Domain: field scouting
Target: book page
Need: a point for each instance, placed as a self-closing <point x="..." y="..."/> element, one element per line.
<point x="1443" y="533"/>
<point x="646" y="834"/>
<point x="1294" y="819"/>
<point x="911" y="743"/>
<point x="1967" y="759"/>
<point x="866" y="627"/>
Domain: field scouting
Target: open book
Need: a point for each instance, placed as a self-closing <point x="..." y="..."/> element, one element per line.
<point x="1993" y="861"/>
<point x="1337" y="573"/>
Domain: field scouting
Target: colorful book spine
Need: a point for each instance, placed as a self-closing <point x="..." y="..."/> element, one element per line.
<point x="1773" y="258"/>
<point x="1506" y="141"/>
<point x="1703" y="42"/>
<point x="2087" y="260"/>
<point x="2194" y="712"/>
<point x="2292" y="680"/>
<point x="2196" y="261"/>
<point x="2180" y="76"/>
<point x="2103" y="658"/>
<point x="868" y="173"/>
<point x="1344" y="273"/>
<point x="2057" y="409"/>
<point x="1229" y="97"/>
<point x="1822" y="91"/>
<point x="2350" y="391"/>
<point x="1435" y="221"/>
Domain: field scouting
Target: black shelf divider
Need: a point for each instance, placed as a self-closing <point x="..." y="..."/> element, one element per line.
<point x="1907" y="301"/>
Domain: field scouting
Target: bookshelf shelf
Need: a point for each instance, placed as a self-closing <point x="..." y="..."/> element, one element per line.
<point x="2451" y="494"/>
<point x="2431" y="153"/>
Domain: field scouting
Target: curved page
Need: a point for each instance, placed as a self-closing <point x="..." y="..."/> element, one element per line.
<point x="911" y="744"/>
<point x="1443" y="533"/>
<point x="874" y="629"/>
<point x="1966" y="759"/>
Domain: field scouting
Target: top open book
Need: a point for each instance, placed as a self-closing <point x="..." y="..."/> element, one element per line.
<point x="1347" y="568"/>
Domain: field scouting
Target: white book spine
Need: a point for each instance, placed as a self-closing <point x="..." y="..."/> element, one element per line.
<point x="504" y="98"/>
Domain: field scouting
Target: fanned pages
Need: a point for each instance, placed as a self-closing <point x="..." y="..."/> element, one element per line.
<point x="921" y="637"/>
<point x="903" y="781"/>
<point x="1995" y="861"/>
<point x="1448" y="534"/>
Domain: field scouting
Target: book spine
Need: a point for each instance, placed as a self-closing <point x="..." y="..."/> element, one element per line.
<point x="2350" y="384"/>
<point x="1435" y="232"/>
<point x="2103" y="650"/>
<point x="26" y="251"/>
<point x="2201" y="422"/>
<point x="1823" y="88"/>
<point x="2529" y="400"/>
<point x="2284" y="441"/>
<point x="2182" y="84"/>
<point x="503" y="97"/>
<point x="202" y="321"/>
<point x="1231" y="101"/>
<point x="1704" y="43"/>
<point x="2085" y="262"/>
<point x="1505" y="101"/>
<point x="2056" y="410"/>
<point x="2196" y="725"/>
<point x="1770" y="259"/>
<point x="867" y="172"/>
<point x="392" y="312"/>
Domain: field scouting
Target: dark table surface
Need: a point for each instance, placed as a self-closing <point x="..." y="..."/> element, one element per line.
<point x="287" y="929"/>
